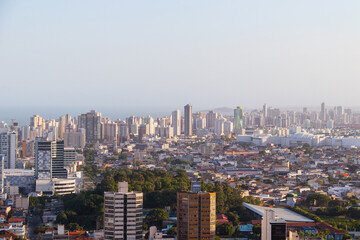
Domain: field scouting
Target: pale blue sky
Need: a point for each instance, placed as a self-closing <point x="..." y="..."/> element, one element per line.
<point x="136" y="54"/>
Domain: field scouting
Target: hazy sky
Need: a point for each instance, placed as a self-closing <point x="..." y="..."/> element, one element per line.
<point x="125" y="54"/>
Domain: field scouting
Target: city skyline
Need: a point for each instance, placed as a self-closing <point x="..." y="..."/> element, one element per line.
<point x="22" y="116"/>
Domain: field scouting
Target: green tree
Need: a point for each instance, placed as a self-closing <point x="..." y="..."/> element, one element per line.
<point x="334" y="203"/>
<point x="75" y="227"/>
<point x="33" y="201"/>
<point x="317" y="200"/>
<point x="108" y="184"/>
<point x="225" y="229"/>
<point x="234" y="218"/>
<point x="220" y="198"/>
<point x="71" y="216"/>
<point x="62" y="219"/>
<point x="156" y="216"/>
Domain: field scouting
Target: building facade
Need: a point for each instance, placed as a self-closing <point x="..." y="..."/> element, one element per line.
<point x="188" y="120"/>
<point x="49" y="160"/>
<point x="91" y="122"/>
<point x="176" y="122"/>
<point x="8" y="143"/>
<point x="196" y="215"/>
<point x="238" y="119"/>
<point x="123" y="214"/>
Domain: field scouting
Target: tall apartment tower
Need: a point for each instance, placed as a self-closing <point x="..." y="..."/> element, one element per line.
<point x="265" y="110"/>
<point x="210" y="120"/>
<point x="176" y="122"/>
<point x="196" y="214"/>
<point x="1" y="173"/>
<point x="8" y="144"/>
<point x="123" y="214"/>
<point x="91" y="122"/>
<point x="49" y="159"/>
<point x="37" y="124"/>
<point x="238" y="119"/>
<point x="323" y="112"/>
<point x="188" y="120"/>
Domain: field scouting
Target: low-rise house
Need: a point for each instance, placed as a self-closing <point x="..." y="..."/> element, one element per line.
<point x="17" y="226"/>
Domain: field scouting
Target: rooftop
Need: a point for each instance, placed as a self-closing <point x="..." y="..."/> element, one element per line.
<point x="283" y="213"/>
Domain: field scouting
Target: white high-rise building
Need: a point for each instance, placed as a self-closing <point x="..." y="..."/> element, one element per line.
<point x="219" y="126"/>
<point x="150" y="122"/>
<point x="228" y="127"/>
<point x="8" y="143"/>
<point x="1" y="173"/>
<point x="176" y="122"/>
<point x="200" y="123"/>
<point x="123" y="213"/>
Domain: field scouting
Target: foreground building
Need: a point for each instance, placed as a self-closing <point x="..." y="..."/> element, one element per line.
<point x="123" y="214"/>
<point x="196" y="214"/>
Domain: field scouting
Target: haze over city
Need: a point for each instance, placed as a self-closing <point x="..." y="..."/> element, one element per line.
<point x="164" y="54"/>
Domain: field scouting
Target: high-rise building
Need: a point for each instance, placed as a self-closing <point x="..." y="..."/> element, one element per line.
<point x="49" y="159"/>
<point x="69" y="156"/>
<point x="339" y="110"/>
<point x="210" y="120"/>
<point x="143" y="131"/>
<point x="188" y="120"/>
<point x="8" y="143"/>
<point x="91" y="122"/>
<point x="1" y="173"/>
<point x="219" y="126"/>
<point x="61" y="127"/>
<point x="196" y="214"/>
<point x="123" y="213"/>
<point x="123" y="129"/>
<point x="42" y="159"/>
<point x="228" y="127"/>
<point x="25" y="133"/>
<point x="323" y="112"/>
<point x="200" y="123"/>
<point x="265" y="110"/>
<point x="110" y="130"/>
<point x="238" y="119"/>
<point x="176" y="122"/>
<point x="58" y="162"/>
<point x="75" y="139"/>
<point x="37" y="124"/>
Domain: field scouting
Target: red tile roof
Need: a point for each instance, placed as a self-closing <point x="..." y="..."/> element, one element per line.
<point x="7" y="235"/>
<point x="221" y="218"/>
<point x="13" y="220"/>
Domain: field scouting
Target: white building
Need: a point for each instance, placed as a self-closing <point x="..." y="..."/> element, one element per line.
<point x="8" y="143"/>
<point x="228" y="127"/>
<point x="123" y="213"/>
<point x="56" y="185"/>
<point x="219" y="126"/>
<point x="176" y="122"/>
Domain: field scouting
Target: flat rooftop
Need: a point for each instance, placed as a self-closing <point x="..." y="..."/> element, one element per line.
<point x="283" y="213"/>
